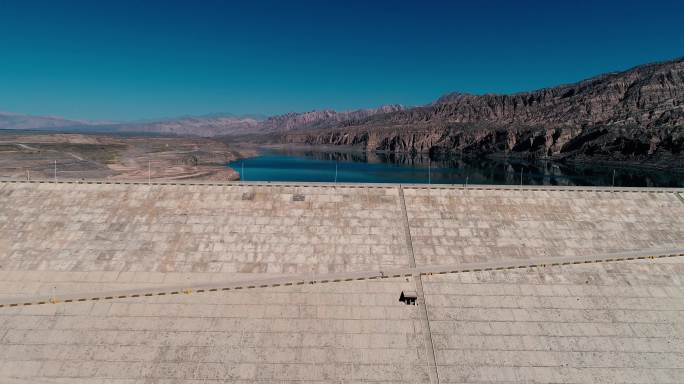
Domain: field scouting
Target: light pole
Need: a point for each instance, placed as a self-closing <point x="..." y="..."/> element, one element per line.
<point x="335" y="171"/>
<point x="521" y="176"/>
<point x="55" y="171"/>
<point x="429" y="171"/>
<point x="242" y="172"/>
<point x="613" y="178"/>
<point x="149" y="172"/>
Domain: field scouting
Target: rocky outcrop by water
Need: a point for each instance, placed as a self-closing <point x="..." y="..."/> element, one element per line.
<point x="634" y="116"/>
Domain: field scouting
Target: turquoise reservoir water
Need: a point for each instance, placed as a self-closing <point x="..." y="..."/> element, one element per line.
<point x="360" y="167"/>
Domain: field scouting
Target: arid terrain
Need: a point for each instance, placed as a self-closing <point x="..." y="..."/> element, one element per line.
<point x="89" y="156"/>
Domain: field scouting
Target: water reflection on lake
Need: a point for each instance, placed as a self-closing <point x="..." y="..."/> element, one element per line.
<point x="328" y="166"/>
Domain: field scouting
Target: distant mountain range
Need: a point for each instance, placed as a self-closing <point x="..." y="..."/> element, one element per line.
<point x="207" y="125"/>
<point x="635" y="115"/>
<point x="18" y="121"/>
<point x="235" y="125"/>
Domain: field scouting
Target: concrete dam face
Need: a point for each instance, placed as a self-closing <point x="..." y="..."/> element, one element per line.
<point x="175" y="283"/>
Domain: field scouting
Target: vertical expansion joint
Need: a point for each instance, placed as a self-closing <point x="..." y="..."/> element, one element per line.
<point x="407" y="229"/>
<point x="429" y="345"/>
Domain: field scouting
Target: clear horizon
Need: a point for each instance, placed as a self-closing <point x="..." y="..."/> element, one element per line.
<point x="128" y="61"/>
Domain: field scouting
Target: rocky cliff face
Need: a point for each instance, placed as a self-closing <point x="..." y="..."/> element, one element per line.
<point x="636" y="115"/>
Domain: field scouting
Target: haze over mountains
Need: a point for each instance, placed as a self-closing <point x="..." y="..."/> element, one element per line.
<point x="207" y="125"/>
<point x="634" y="115"/>
<point x="19" y="121"/>
<point x="236" y="125"/>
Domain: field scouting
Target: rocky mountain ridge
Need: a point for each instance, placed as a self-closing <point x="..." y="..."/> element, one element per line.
<point x="635" y="116"/>
<point x="235" y="126"/>
<point x="322" y="119"/>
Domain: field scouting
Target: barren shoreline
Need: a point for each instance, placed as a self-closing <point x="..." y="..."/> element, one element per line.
<point x="99" y="156"/>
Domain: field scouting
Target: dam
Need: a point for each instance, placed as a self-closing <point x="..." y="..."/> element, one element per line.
<point x="201" y="282"/>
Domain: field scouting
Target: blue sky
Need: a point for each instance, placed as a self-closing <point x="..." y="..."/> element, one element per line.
<point x="127" y="60"/>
